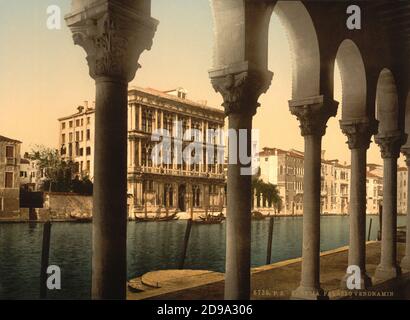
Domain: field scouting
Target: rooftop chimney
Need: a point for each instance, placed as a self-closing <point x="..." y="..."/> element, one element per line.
<point x="80" y="109"/>
<point x="86" y="104"/>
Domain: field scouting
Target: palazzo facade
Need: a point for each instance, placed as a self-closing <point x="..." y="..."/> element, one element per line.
<point x="156" y="188"/>
<point x="172" y="186"/>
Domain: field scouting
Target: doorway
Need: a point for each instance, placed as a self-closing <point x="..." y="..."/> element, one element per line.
<point x="181" y="197"/>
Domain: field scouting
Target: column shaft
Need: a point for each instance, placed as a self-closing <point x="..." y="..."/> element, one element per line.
<point x="313" y="114"/>
<point x="357" y="219"/>
<point x="389" y="217"/>
<point x="390" y="144"/>
<point x="110" y="190"/>
<point x="238" y="220"/>
<point x="357" y="246"/>
<point x="311" y="215"/>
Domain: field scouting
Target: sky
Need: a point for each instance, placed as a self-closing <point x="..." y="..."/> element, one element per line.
<point x="43" y="76"/>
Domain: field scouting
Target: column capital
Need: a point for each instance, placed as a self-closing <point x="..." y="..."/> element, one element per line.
<point x="240" y="88"/>
<point x="313" y="114"/>
<point x="113" y="35"/>
<point x="390" y="143"/>
<point x="359" y="132"/>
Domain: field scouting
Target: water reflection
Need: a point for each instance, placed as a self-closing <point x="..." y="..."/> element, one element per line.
<point x="151" y="246"/>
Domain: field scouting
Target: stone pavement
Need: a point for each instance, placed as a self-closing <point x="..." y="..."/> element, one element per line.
<point x="275" y="281"/>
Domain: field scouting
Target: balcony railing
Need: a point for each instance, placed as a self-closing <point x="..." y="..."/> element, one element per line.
<point x="178" y="172"/>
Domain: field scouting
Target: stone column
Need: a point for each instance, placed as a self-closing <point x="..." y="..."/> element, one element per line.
<point x="131" y="154"/>
<point x="139" y="152"/>
<point x="359" y="134"/>
<point x="405" y="262"/>
<point x="113" y="35"/>
<point x="140" y="118"/>
<point x="390" y="143"/>
<point x="313" y="114"/>
<point x="240" y="91"/>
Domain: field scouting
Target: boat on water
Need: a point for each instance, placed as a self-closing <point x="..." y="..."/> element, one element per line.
<point x="171" y="217"/>
<point x="256" y="215"/>
<point x="210" y="219"/>
<point x="81" y="219"/>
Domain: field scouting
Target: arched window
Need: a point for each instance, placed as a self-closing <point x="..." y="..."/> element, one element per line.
<point x="169" y="123"/>
<point x="147" y="120"/>
<point x="146" y="157"/>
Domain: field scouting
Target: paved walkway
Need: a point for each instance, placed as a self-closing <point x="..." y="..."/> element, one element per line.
<point x="275" y="281"/>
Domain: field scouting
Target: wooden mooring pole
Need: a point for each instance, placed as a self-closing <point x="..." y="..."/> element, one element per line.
<point x="185" y="246"/>
<point x="45" y="253"/>
<point x="379" y="236"/>
<point x="370" y="230"/>
<point x="270" y="236"/>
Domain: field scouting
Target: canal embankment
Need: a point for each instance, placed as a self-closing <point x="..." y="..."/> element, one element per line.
<point x="274" y="281"/>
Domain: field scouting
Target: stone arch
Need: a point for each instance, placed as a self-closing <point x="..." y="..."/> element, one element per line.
<point x="354" y="85"/>
<point x="387" y="102"/>
<point x="241" y="34"/>
<point x="304" y="47"/>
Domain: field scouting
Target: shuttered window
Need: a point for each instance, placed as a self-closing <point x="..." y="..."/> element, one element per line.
<point x="8" y="180"/>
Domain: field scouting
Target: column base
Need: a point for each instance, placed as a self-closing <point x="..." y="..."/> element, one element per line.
<point x="309" y="293"/>
<point x="384" y="273"/>
<point x="405" y="264"/>
<point x="365" y="282"/>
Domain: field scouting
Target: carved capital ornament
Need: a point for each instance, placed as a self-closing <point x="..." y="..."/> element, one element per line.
<point x="241" y="91"/>
<point x="359" y="132"/>
<point x="313" y="114"/>
<point x="113" y="40"/>
<point x="390" y="143"/>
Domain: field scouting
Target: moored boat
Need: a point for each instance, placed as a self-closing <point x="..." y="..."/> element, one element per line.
<point x="171" y="217"/>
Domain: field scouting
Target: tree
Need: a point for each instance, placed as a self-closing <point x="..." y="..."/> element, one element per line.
<point x="266" y="192"/>
<point x="59" y="173"/>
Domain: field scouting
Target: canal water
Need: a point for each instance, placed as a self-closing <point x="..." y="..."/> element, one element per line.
<point x="151" y="246"/>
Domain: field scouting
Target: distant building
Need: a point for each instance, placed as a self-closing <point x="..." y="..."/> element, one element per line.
<point x="376" y="169"/>
<point x="374" y="191"/>
<point x="9" y="177"/>
<point x="154" y="187"/>
<point x="340" y="195"/>
<point x="285" y="169"/>
<point x="76" y="136"/>
<point x="31" y="177"/>
<point x="402" y="190"/>
<point x="176" y="186"/>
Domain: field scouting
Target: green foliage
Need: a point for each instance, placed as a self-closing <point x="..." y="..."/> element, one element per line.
<point x="59" y="174"/>
<point x="267" y="192"/>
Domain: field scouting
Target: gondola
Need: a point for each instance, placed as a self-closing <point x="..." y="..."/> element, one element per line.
<point x="256" y="215"/>
<point x="80" y="219"/>
<point x="171" y="217"/>
<point x="210" y="219"/>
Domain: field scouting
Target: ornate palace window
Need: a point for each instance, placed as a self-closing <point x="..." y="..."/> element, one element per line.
<point x="147" y="120"/>
<point x="169" y="123"/>
<point x="146" y="157"/>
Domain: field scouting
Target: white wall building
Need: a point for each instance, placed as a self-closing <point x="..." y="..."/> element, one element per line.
<point x="285" y="169"/>
<point x="31" y="177"/>
<point x="77" y="140"/>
